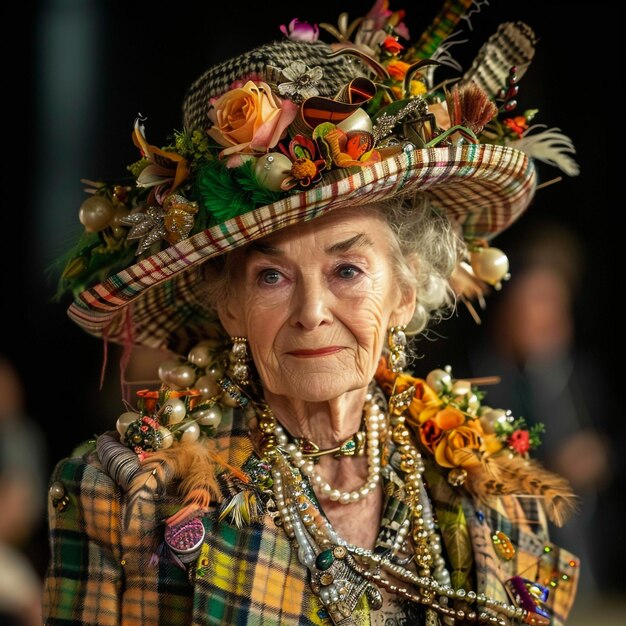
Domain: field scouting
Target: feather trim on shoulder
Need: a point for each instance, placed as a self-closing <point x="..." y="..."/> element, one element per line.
<point x="479" y="451"/>
<point x="196" y="465"/>
<point x="502" y="475"/>
<point x="243" y="508"/>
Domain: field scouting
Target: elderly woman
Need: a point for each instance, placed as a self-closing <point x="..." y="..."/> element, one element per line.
<point x="286" y="470"/>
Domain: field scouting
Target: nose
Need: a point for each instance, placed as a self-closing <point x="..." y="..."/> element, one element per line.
<point x="311" y="303"/>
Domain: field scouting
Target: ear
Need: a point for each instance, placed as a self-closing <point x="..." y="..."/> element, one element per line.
<point x="403" y="313"/>
<point x="231" y="317"/>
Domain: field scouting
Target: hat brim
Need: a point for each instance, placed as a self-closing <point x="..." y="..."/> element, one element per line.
<point x="483" y="188"/>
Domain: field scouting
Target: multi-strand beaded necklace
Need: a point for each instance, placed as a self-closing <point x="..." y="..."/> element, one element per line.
<point x="340" y="573"/>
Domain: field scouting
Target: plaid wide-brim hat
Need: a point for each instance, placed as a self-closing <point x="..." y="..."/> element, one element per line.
<point x="287" y="133"/>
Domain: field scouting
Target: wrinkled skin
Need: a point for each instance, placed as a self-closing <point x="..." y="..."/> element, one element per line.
<point x="315" y="302"/>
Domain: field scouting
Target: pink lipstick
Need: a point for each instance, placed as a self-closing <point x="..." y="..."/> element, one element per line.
<point x="317" y="352"/>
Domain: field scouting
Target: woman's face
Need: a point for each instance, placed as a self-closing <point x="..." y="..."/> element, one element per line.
<point x="315" y="302"/>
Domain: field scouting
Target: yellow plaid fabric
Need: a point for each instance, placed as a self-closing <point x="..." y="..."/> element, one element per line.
<point x="103" y="540"/>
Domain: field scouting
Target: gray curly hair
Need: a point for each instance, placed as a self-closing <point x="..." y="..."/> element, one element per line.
<point x="425" y="250"/>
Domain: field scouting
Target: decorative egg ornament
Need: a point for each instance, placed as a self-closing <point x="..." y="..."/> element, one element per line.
<point x="96" y="213"/>
<point x="490" y="265"/>
<point x="272" y="169"/>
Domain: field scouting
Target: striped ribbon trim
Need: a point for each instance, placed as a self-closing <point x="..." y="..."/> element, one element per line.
<point x="482" y="188"/>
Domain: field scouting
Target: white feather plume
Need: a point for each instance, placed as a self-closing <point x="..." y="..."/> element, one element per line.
<point x="550" y="146"/>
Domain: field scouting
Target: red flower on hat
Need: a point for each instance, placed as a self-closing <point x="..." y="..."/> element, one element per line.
<point x="307" y="165"/>
<point x="392" y="45"/>
<point x="519" y="441"/>
<point x="518" y="125"/>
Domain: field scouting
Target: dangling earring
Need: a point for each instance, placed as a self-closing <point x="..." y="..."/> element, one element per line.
<point x="396" y="339"/>
<point x="239" y="356"/>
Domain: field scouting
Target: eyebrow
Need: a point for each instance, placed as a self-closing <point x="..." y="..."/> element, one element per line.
<point x="263" y="248"/>
<point x="360" y="240"/>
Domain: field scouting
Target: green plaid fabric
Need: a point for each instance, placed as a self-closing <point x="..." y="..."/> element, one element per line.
<point x="101" y="544"/>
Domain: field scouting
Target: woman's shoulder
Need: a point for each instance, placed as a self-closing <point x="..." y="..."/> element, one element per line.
<point x="78" y="487"/>
<point x="81" y="461"/>
<point x="103" y="469"/>
<point x="108" y="468"/>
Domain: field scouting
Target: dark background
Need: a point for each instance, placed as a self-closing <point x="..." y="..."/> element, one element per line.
<point x="80" y="72"/>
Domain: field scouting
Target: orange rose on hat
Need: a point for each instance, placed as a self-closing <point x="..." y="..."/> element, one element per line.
<point x="250" y="119"/>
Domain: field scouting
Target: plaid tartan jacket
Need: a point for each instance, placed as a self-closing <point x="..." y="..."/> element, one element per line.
<point x="102" y="541"/>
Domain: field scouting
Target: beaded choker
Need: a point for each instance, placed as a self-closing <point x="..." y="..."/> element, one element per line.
<point x="353" y="446"/>
<point x="274" y="436"/>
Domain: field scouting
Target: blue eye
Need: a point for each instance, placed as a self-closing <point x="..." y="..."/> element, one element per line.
<point x="348" y="272"/>
<point x="269" y="277"/>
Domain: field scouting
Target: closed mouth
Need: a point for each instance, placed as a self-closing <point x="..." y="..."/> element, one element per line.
<point x="317" y="352"/>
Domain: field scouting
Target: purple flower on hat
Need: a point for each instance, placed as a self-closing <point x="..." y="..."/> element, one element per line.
<point x="299" y="30"/>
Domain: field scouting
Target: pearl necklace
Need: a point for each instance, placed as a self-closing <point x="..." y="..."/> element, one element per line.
<point x="375" y="423"/>
<point x="340" y="572"/>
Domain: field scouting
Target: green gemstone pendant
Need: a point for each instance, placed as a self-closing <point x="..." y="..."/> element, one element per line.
<point x="324" y="560"/>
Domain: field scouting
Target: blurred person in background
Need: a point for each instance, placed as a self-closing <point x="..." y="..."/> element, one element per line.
<point x="22" y="481"/>
<point x="549" y="379"/>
